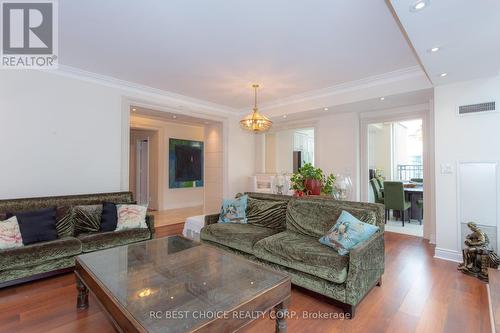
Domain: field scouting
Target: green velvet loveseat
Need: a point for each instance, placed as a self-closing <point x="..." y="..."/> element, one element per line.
<point x="283" y="232"/>
<point x="45" y="259"/>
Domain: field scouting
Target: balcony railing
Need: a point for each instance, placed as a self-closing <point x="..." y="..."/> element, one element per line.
<point x="409" y="171"/>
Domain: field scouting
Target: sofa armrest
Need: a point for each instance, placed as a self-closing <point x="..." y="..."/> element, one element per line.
<point x="150" y="221"/>
<point x="366" y="266"/>
<point x="211" y="219"/>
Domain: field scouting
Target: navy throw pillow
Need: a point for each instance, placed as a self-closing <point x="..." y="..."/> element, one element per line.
<point x="109" y="217"/>
<point x="37" y="225"/>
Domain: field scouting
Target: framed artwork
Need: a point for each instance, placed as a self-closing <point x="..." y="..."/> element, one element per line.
<point x="185" y="163"/>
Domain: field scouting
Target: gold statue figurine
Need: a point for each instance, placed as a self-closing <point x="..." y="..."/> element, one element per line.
<point x="478" y="254"/>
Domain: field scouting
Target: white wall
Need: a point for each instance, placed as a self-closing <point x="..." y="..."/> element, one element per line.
<point x="213" y="184"/>
<point x="379" y="148"/>
<point x="337" y="146"/>
<point x="284" y="151"/>
<point x="461" y="138"/>
<point x="240" y="158"/>
<point x="59" y="135"/>
<point x="65" y="134"/>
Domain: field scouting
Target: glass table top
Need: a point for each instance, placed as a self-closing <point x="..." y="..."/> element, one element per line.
<point x="173" y="276"/>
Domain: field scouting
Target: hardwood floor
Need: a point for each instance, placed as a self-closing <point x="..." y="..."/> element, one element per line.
<point x="175" y="216"/>
<point x="418" y="294"/>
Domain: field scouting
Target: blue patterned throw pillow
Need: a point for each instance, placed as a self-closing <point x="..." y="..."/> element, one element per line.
<point x="347" y="233"/>
<point x="234" y="210"/>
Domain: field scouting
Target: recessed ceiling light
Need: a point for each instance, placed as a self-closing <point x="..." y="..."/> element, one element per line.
<point x="434" y="49"/>
<point x="206" y="122"/>
<point x="174" y="116"/>
<point x="382" y="98"/>
<point x="284" y="116"/>
<point x="326" y="109"/>
<point x="419" y="5"/>
<point x="134" y="109"/>
<point x="443" y="74"/>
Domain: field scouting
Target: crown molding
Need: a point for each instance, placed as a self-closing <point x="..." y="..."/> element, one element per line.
<point x="368" y="82"/>
<point x="169" y="98"/>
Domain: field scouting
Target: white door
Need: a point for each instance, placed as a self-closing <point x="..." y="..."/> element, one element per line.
<point x="142" y="173"/>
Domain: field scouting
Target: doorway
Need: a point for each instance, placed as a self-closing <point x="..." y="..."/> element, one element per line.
<point x="425" y="113"/>
<point x="395" y="170"/>
<point x="143" y="170"/>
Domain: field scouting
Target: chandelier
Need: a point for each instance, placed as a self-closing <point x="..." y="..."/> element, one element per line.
<point x="255" y="122"/>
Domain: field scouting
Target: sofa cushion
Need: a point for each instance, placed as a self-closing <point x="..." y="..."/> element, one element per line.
<point x="303" y="253"/>
<point x="236" y="235"/>
<point x="10" y="235"/>
<point x="131" y="217"/>
<point x="234" y="210"/>
<point x="347" y="233"/>
<point x="65" y="225"/>
<point x="314" y="217"/>
<point x="104" y="240"/>
<point x="109" y="217"/>
<point x="87" y="218"/>
<point x="37" y="225"/>
<point x="267" y="213"/>
<point x="44" y="267"/>
<point x="39" y="253"/>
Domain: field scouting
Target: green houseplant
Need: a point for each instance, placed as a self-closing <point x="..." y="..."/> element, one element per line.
<point x="309" y="180"/>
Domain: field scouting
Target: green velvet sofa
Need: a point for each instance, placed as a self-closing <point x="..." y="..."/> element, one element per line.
<point x="45" y="259"/>
<point x="291" y="244"/>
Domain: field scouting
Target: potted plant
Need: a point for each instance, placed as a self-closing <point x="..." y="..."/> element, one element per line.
<point x="312" y="181"/>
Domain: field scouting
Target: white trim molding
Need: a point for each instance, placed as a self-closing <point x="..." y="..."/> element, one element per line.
<point x="395" y="82"/>
<point x="168" y="98"/>
<point x="449" y="255"/>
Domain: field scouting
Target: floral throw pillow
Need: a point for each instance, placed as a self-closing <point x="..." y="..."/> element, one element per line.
<point x="347" y="233"/>
<point x="131" y="217"/>
<point x="234" y="210"/>
<point x="10" y="234"/>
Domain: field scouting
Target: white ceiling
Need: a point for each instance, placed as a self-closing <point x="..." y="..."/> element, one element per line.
<point x="373" y="104"/>
<point x="214" y="50"/>
<point x="468" y="33"/>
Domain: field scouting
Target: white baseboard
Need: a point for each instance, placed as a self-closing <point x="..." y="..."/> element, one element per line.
<point x="450" y="255"/>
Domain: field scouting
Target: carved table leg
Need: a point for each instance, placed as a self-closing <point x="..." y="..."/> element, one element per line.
<point x="281" y="314"/>
<point x="82" y="301"/>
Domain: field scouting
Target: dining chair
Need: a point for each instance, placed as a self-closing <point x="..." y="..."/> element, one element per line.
<point x="376" y="191"/>
<point x="394" y="198"/>
<point x="420" y="204"/>
<point x="380" y="181"/>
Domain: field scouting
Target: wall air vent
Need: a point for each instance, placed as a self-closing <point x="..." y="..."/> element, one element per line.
<point x="476" y="108"/>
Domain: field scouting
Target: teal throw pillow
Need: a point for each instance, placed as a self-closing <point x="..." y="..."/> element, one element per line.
<point x="347" y="233"/>
<point x="234" y="210"/>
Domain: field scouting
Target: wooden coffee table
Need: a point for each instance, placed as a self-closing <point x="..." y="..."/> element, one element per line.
<point x="175" y="285"/>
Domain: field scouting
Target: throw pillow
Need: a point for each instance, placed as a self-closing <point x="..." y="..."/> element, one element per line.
<point x="109" y="216"/>
<point x="37" y="225"/>
<point x="10" y="235"/>
<point x="347" y="233"/>
<point x="131" y="217"/>
<point x="87" y="218"/>
<point x="234" y="210"/>
<point x="267" y="213"/>
<point x="64" y="222"/>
